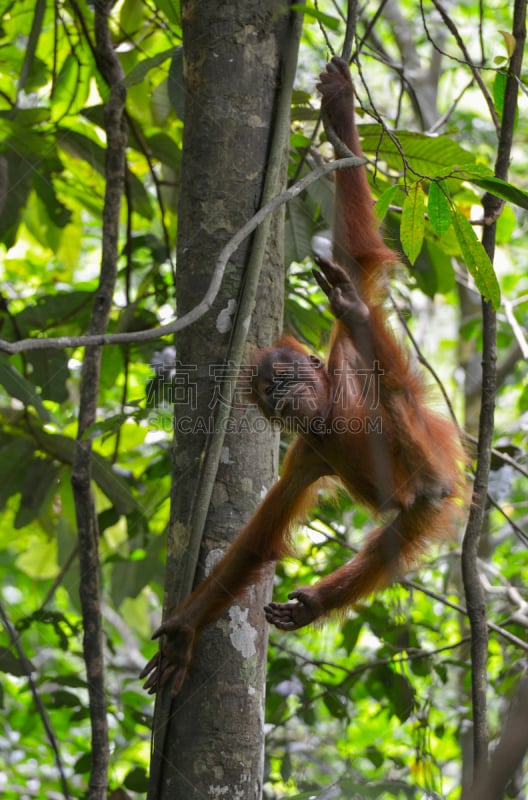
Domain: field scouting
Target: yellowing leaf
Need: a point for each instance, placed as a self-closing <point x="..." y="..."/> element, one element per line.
<point x="509" y="41"/>
<point x="40" y="560"/>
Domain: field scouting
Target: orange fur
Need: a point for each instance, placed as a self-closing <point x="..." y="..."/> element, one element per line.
<point x="368" y="426"/>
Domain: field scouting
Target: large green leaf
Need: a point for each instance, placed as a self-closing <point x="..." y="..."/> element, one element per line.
<point x="426" y="155"/>
<point x="50" y="373"/>
<point x="71" y="88"/>
<point x="503" y="189"/>
<point x="51" y="310"/>
<point x="476" y="259"/>
<point x="19" y="185"/>
<point x="483" y="177"/>
<point x="57" y="212"/>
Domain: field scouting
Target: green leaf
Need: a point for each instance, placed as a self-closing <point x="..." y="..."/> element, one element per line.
<point x="387" y="685"/>
<point x="20" y="173"/>
<point x="413" y="222"/>
<point x="499" y="89"/>
<point x="325" y="19"/>
<point x="382" y="205"/>
<point x="438" y="208"/>
<point x="421" y="666"/>
<point x="476" y="259"/>
<point x="171" y="10"/>
<point x="32" y="42"/>
<point x="113" y="485"/>
<point x="50" y="310"/>
<point x="71" y="89"/>
<point x="11" y="663"/>
<point x="63" y="699"/>
<point x="299" y="140"/>
<point x="427" y="155"/>
<point x="40" y="560"/>
<point x="139" y="72"/>
<point x="16" y="385"/>
<point x="483" y="177"/>
<point x="50" y="373"/>
<point x="164" y="149"/>
<point x="110" y="482"/>
<point x="131" y="18"/>
<point x="130" y="577"/>
<point x="503" y="189"/>
<point x="350" y="632"/>
<point x="335" y="706"/>
<point x="95" y="155"/>
<point x="57" y="212"/>
<point x="298" y="231"/>
<point x="433" y="269"/>
<point x="83" y="764"/>
<point x="38" y="480"/>
<point x="137" y="780"/>
<point x="322" y="194"/>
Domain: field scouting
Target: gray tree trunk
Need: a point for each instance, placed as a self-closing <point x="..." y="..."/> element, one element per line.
<point x="208" y="741"/>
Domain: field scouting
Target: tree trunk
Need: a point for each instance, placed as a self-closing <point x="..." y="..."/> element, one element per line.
<point x="208" y="741"/>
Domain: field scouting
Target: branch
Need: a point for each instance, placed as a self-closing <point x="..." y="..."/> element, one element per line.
<point x="85" y="511"/>
<point x="60" y="342"/>
<point x="474" y="592"/>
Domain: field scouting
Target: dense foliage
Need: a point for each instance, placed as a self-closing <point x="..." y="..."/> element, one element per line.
<point x="377" y="705"/>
